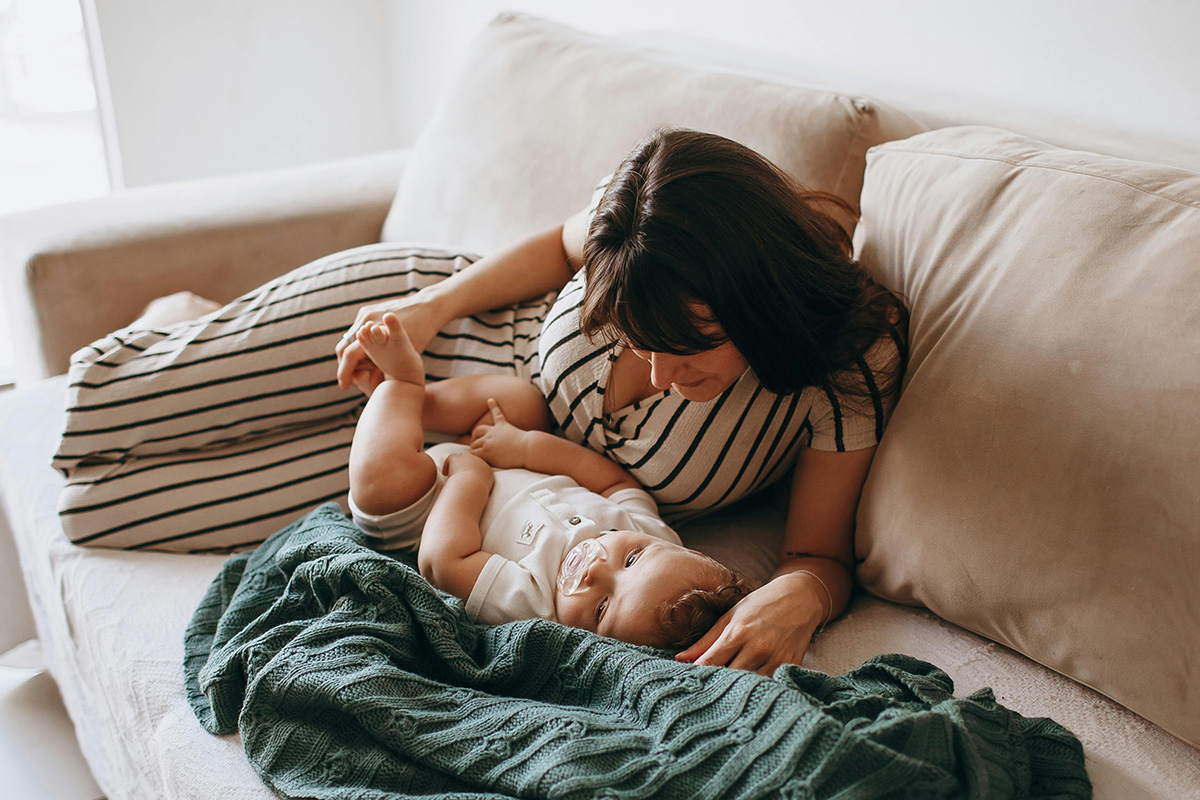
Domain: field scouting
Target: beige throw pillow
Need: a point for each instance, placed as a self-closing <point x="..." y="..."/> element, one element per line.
<point x="540" y="112"/>
<point x="1039" y="482"/>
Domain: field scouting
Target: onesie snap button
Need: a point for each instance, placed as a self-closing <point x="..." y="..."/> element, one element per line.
<point x="574" y="520"/>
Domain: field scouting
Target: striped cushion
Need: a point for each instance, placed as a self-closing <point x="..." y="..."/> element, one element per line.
<point x="214" y="433"/>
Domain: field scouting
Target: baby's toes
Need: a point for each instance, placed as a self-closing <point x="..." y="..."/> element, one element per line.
<point x="395" y="329"/>
<point x="368" y="334"/>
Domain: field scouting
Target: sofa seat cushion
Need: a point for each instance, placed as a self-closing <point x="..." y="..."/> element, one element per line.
<point x="1038" y="480"/>
<point x="112" y="625"/>
<point x="539" y="112"/>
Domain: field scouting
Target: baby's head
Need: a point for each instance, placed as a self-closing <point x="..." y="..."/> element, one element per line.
<point x="643" y="590"/>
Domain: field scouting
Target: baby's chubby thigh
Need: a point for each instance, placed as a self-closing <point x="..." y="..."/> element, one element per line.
<point x="401" y="529"/>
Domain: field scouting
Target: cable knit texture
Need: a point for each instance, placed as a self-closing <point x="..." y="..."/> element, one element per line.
<point x="349" y="676"/>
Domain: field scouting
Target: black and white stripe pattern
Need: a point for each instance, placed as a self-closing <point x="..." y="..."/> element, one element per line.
<point x="214" y="434"/>
<point x="696" y="457"/>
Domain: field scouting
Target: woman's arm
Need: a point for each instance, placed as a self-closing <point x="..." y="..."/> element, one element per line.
<point x="815" y="577"/>
<point x="528" y="268"/>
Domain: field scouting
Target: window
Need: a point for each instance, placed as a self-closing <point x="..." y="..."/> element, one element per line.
<point x="51" y="146"/>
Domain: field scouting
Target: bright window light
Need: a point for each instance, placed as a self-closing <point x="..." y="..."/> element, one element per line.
<point x="51" y="148"/>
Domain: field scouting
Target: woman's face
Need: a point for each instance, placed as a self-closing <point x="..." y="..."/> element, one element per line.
<point x="699" y="376"/>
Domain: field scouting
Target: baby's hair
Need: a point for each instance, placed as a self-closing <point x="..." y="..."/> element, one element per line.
<point x="688" y="617"/>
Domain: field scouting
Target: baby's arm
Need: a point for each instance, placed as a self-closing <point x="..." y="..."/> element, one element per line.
<point x="450" y="556"/>
<point x="504" y="445"/>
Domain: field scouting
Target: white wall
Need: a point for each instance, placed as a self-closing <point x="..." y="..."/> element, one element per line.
<point x="226" y="86"/>
<point x="1132" y="65"/>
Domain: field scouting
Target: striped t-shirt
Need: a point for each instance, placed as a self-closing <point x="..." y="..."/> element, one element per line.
<point x="696" y="457"/>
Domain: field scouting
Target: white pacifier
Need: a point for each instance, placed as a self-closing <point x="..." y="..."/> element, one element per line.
<point x="576" y="564"/>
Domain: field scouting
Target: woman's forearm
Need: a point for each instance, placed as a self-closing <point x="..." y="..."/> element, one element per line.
<point x="526" y="269"/>
<point x="828" y="581"/>
<point x="819" y="534"/>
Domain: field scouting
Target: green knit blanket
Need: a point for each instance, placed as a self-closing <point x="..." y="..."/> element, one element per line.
<point x="349" y="676"/>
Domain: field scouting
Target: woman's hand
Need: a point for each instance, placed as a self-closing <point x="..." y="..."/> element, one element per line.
<point x="500" y="443"/>
<point x="523" y="270"/>
<point x="420" y="322"/>
<point x="771" y="626"/>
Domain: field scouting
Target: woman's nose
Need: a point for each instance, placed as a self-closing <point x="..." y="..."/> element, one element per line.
<point x="664" y="370"/>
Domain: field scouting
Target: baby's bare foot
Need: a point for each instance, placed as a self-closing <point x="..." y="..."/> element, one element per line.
<point x="163" y="312"/>
<point x="389" y="348"/>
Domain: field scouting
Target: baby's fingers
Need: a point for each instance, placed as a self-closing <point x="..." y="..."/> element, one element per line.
<point x="497" y="412"/>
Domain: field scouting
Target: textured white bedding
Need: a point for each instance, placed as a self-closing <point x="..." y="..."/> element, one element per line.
<point x="111" y="625"/>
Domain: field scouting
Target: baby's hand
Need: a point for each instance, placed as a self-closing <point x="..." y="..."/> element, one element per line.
<point x="467" y="464"/>
<point x="501" y="444"/>
<point x="387" y="345"/>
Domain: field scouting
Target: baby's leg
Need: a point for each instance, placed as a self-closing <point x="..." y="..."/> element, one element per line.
<point x="389" y="469"/>
<point x="457" y="405"/>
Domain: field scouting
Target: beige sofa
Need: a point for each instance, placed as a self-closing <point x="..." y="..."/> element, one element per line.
<point x="1031" y="522"/>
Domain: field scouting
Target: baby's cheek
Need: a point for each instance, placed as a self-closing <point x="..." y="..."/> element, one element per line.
<point x="569" y="612"/>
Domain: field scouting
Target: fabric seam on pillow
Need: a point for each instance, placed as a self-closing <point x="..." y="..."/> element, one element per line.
<point x="854" y="141"/>
<point x="969" y="157"/>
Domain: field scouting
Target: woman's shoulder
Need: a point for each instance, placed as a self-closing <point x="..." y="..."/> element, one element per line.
<point x="856" y="405"/>
<point x="887" y="355"/>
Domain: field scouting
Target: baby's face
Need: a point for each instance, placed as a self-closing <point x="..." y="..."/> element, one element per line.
<point x="619" y="593"/>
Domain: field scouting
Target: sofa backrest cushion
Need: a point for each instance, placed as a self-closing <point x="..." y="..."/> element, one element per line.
<point x="540" y="112"/>
<point x="1038" y="482"/>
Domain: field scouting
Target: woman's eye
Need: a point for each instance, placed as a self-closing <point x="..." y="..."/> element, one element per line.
<point x="632" y="557"/>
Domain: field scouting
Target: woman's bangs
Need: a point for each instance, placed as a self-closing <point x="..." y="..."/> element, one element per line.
<point x="659" y="322"/>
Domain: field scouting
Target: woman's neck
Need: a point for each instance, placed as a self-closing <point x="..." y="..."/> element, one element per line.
<point x="628" y="381"/>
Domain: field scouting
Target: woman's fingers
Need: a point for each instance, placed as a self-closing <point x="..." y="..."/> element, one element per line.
<point x="349" y="354"/>
<point x="701" y="647"/>
<point x="411" y="320"/>
<point x="360" y="319"/>
<point x="354" y="368"/>
<point x="734" y="644"/>
<point x="367" y="377"/>
<point x="738" y="652"/>
<point x="379" y="323"/>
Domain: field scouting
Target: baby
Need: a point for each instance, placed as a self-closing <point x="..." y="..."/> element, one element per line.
<point x="555" y="530"/>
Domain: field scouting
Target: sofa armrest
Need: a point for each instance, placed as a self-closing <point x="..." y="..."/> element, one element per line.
<point x="72" y="273"/>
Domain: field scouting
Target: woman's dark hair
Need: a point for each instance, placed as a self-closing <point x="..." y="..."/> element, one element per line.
<point x="694" y="218"/>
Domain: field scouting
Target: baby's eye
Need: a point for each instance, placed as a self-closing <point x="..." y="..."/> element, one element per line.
<point x="632" y="557"/>
<point x="601" y="608"/>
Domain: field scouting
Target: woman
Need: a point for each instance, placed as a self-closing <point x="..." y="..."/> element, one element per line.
<point x="711" y="334"/>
